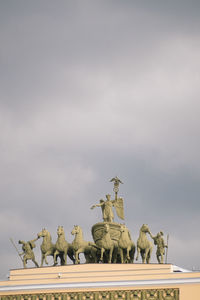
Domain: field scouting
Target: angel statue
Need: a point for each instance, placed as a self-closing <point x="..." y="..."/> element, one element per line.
<point x="106" y="206"/>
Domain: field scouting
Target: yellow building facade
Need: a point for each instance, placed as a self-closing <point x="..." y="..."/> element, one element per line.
<point x="102" y="282"/>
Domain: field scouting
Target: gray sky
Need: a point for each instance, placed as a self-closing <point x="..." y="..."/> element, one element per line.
<point x="94" y="89"/>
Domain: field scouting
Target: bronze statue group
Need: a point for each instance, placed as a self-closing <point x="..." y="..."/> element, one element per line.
<point x="112" y="241"/>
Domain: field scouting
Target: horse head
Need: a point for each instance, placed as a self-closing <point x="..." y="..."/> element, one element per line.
<point x="122" y="228"/>
<point x="145" y="228"/>
<point x="76" y="230"/>
<point x="60" y="230"/>
<point x="43" y="233"/>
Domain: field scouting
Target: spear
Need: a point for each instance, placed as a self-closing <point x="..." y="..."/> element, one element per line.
<point x="167" y="249"/>
<point x="16" y="248"/>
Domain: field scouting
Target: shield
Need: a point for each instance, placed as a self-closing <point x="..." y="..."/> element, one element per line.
<point x="119" y="206"/>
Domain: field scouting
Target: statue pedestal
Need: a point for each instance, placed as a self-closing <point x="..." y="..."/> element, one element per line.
<point x="102" y="281"/>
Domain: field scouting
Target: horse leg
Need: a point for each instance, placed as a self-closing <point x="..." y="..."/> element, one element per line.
<point x="88" y="257"/>
<point x="143" y="256"/>
<point x="146" y="255"/>
<point x="42" y="260"/>
<point x="45" y="256"/>
<point x="93" y="252"/>
<point x="102" y="252"/>
<point x="121" y="255"/>
<point x="61" y="256"/>
<point x="90" y="254"/>
<point x="114" y="255"/>
<point x="70" y="253"/>
<point x="55" y="257"/>
<point x="128" y="254"/>
<point x="77" y="260"/>
<point x="132" y="254"/>
<point x="45" y="259"/>
<point x="110" y="255"/>
<point x="138" y="252"/>
<point x="65" y="257"/>
<point x="76" y="257"/>
<point x="149" y="255"/>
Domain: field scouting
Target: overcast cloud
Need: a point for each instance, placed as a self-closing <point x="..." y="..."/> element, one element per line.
<point x="94" y="89"/>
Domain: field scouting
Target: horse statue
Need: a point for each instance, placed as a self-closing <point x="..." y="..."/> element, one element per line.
<point x="47" y="247"/>
<point x="79" y="245"/>
<point x="108" y="245"/>
<point x="126" y="247"/>
<point x="62" y="247"/>
<point x="144" y="246"/>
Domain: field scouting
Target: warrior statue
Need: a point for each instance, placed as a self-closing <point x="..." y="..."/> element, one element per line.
<point x="27" y="248"/>
<point x="106" y="205"/>
<point x="160" y="243"/>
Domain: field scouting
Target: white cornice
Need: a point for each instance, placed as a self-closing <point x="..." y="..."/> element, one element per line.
<point x="101" y="284"/>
